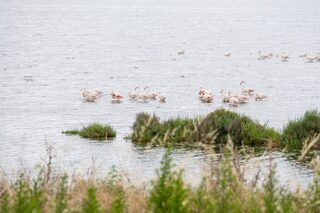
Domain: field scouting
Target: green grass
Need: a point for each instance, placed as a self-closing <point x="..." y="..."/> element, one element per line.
<point x="298" y="130"/>
<point x="224" y="190"/>
<point x="213" y="128"/>
<point x="95" y="131"/>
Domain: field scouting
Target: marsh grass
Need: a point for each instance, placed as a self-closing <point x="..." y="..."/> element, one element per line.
<point x="223" y="190"/>
<point x="213" y="128"/>
<point x="94" y="131"/>
<point x="300" y="129"/>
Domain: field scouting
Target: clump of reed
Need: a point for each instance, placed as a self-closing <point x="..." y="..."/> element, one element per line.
<point x="94" y="131"/>
<point x="215" y="127"/>
<point x="224" y="190"/>
<point x="300" y="129"/>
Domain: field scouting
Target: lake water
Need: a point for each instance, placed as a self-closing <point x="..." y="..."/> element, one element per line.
<point x="50" y="50"/>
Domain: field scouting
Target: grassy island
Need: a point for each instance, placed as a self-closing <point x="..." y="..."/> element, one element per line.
<point x="94" y="131"/>
<point x="213" y="128"/>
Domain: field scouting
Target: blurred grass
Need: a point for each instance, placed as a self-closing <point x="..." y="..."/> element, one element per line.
<point x="224" y="190"/>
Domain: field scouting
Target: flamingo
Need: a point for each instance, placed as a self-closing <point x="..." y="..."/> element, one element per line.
<point x="142" y="97"/>
<point x="162" y="97"/>
<point x="225" y="97"/>
<point x="248" y="90"/>
<point x="116" y="96"/>
<point x="202" y="91"/>
<point x="151" y="95"/>
<point x="264" y="56"/>
<point x="207" y="97"/>
<point x="233" y="101"/>
<point x="309" y="59"/>
<point x="242" y="99"/>
<point x="260" y="97"/>
<point x="91" y="95"/>
<point x="284" y="56"/>
<point x="134" y="93"/>
<point x="90" y="98"/>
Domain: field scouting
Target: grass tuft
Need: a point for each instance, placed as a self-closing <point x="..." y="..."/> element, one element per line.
<point x="215" y="127"/>
<point x="95" y="131"/>
<point x="300" y="129"/>
<point x="169" y="193"/>
<point x="90" y="203"/>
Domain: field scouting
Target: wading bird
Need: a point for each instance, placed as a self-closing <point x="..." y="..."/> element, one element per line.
<point x="134" y="93"/>
<point x="161" y="97"/>
<point x="116" y="96"/>
<point x="260" y="97"/>
<point x="150" y="95"/>
<point x="248" y="90"/>
<point x="233" y="101"/>
<point x="90" y="95"/>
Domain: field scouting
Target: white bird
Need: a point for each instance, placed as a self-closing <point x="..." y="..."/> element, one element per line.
<point x="141" y="97"/>
<point x="89" y="98"/>
<point x="248" y="90"/>
<point x="161" y="97"/>
<point x="181" y="52"/>
<point x="309" y="59"/>
<point x="90" y="95"/>
<point x="317" y="57"/>
<point x="206" y="97"/>
<point x="242" y="99"/>
<point x="233" y="101"/>
<point x="134" y="93"/>
<point x="150" y="95"/>
<point x="227" y="54"/>
<point x="116" y="96"/>
<point x="284" y="56"/>
<point x="264" y="56"/>
<point x="203" y="91"/>
<point x="260" y="97"/>
<point x="225" y="97"/>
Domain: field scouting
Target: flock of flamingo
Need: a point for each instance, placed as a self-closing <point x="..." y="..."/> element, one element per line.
<point x="90" y="95"/>
<point x="284" y="56"/>
<point x="233" y="99"/>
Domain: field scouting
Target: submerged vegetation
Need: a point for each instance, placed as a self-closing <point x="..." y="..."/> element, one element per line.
<point x="213" y="128"/>
<point x="95" y="131"/>
<point x="224" y="190"/>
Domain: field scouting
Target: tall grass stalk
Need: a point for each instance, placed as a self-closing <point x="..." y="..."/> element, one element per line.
<point x="224" y="190"/>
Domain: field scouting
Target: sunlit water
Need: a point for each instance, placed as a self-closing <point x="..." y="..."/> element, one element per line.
<point x="50" y="50"/>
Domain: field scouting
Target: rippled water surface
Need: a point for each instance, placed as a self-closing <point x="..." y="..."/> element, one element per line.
<point x="50" y="50"/>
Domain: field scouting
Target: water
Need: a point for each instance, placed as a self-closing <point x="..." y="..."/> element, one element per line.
<point x="50" y="50"/>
